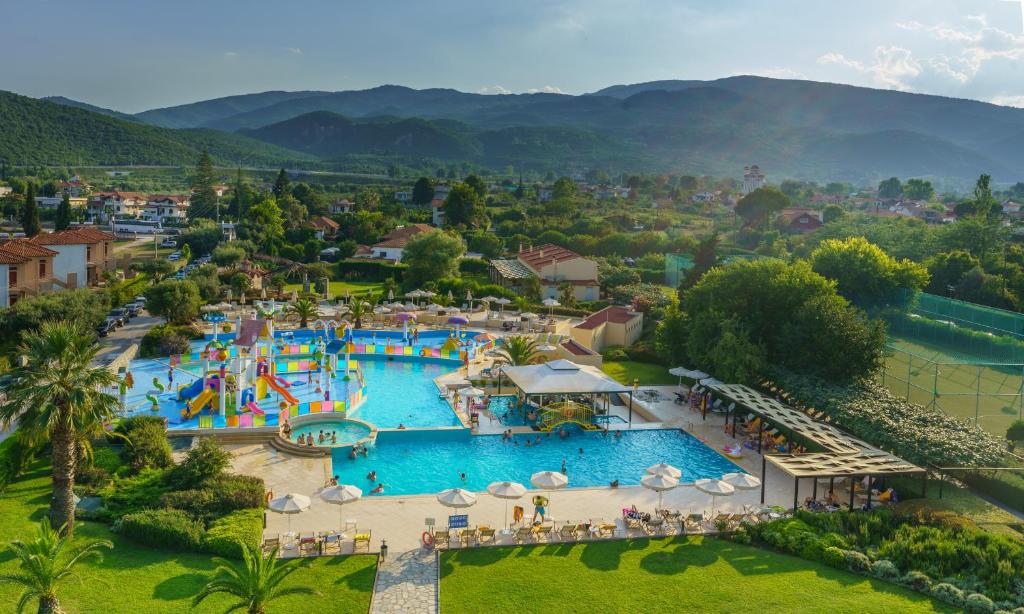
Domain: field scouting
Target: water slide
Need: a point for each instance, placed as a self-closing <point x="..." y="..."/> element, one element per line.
<point x="200" y="402"/>
<point x="274" y="383"/>
<point x="192" y="389"/>
<point x="254" y="408"/>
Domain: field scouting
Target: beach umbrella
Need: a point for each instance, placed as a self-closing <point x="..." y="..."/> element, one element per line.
<point x="469" y="298"/>
<point x="451" y="297"/>
<point x="666" y="470"/>
<point x="715" y="488"/>
<point x="434" y="307"/>
<point x="289" y="504"/>
<point x="659" y="483"/>
<point x="380" y="309"/>
<point x="549" y="480"/>
<point x="506" y="491"/>
<point x="528" y="315"/>
<point x="551" y="303"/>
<point x="679" y="372"/>
<point x="456" y="498"/>
<point x="741" y="480"/>
<point x="502" y="302"/>
<point x="458" y="321"/>
<point x="340" y="495"/>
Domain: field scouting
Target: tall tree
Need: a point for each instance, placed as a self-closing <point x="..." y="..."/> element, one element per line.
<point x="519" y="350"/>
<point x="264" y="224"/>
<point x="44" y="562"/>
<point x="890" y="188"/>
<point x="63" y="219"/>
<point x="30" y="212"/>
<point x="431" y="256"/>
<point x="918" y="189"/>
<point x="423" y="191"/>
<point x="463" y="206"/>
<point x="758" y="206"/>
<point x="367" y="200"/>
<point x="203" y="202"/>
<point x="479" y="185"/>
<point x="281" y="184"/>
<point x="56" y="395"/>
<point x="241" y="196"/>
<point x="563" y="188"/>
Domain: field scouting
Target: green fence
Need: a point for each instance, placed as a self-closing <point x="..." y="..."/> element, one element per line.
<point x="676" y="266"/>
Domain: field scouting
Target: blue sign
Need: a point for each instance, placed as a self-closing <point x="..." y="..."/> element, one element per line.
<point x="458" y="522"/>
<point x="214" y="316"/>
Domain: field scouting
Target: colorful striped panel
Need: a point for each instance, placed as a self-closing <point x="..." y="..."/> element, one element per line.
<point x="259" y="420"/>
<point x="314" y="407"/>
<point x="232" y="421"/>
<point x="206" y="422"/>
<point x="245" y="420"/>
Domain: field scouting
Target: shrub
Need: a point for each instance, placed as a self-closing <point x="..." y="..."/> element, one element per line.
<point x="834" y="557"/>
<point x="614" y="352"/>
<point x="148" y="447"/>
<point x="917" y="580"/>
<point x="857" y="561"/>
<point x="221" y="496"/>
<point x="884" y="569"/>
<point x="167" y="339"/>
<point x="206" y="460"/>
<point x="129" y="495"/>
<point x="165" y="528"/>
<point x="945" y="591"/>
<point x="106" y="458"/>
<point x="976" y="602"/>
<point x="225" y="535"/>
<point x="1015" y="432"/>
<point x="14" y="457"/>
<point x="91" y="477"/>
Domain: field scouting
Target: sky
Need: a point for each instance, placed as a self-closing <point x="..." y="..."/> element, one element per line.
<point x="135" y="55"/>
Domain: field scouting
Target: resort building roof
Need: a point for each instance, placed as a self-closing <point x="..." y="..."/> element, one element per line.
<point x="512" y="269"/>
<point x="562" y="377"/>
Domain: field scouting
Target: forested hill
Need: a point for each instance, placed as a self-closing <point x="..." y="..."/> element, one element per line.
<point x="41" y="132"/>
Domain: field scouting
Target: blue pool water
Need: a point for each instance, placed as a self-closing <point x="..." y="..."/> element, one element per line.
<point x="346" y="432"/>
<point x="403" y="392"/>
<point x="412" y="462"/>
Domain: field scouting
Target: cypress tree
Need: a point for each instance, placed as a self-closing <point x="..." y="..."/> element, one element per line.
<point x="204" y="196"/>
<point x="63" y="219"/>
<point x="281" y="184"/>
<point x="30" y="213"/>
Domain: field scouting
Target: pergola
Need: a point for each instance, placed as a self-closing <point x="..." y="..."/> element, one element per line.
<point x="843" y="455"/>
<point x="561" y="379"/>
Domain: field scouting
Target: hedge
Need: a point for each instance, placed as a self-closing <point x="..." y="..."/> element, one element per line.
<point x="223" y="495"/>
<point x="1003" y="486"/>
<point x="224" y="534"/>
<point x="14" y="457"/>
<point x="958" y="339"/>
<point x="369" y="270"/>
<point x="168" y="529"/>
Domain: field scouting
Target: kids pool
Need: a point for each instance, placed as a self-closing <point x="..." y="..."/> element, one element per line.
<point x="347" y="432"/>
<point x="419" y="462"/>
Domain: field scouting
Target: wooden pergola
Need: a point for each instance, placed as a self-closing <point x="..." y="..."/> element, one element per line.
<point x="842" y="455"/>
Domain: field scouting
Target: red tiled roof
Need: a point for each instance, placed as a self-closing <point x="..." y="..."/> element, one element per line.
<point x="72" y="236"/>
<point x="576" y="349"/>
<point x="542" y="255"/>
<point x="325" y="222"/>
<point x="25" y="248"/>
<point x="177" y="199"/>
<point x="120" y="195"/>
<point x="399" y="237"/>
<point x="614" y="314"/>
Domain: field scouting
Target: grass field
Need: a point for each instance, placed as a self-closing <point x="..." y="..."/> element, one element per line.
<point x="625" y="371"/>
<point x="139" y="249"/>
<point x="132" y="578"/>
<point x="929" y="368"/>
<point x="338" y="288"/>
<point x="662" y="575"/>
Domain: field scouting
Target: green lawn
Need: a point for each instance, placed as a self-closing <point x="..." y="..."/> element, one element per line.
<point x="664" y="575"/>
<point x="135" y="579"/>
<point x="625" y="371"/>
<point x="338" y="288"/>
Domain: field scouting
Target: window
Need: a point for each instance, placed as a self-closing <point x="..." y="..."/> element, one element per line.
<point x="12" y="277"/>
<point x="42" y="268"/>
<point x="88" y="253"/>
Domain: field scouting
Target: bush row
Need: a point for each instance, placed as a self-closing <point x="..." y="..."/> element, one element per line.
<point x="172" y="529"/>
<point x="14" y="457"/>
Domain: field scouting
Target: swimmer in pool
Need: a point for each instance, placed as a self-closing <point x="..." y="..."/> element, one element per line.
<point x="378" y="490"/>
<point x="462" y="476"/>
<point x="581" y="451"/>
<point x="334" y="438"/>
<point x="372" y="476"/>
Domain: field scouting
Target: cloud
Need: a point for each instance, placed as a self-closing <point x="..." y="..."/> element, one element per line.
<point x="778" y="73"/>
<point x="891" y="67"/>
<point x="231" y="54"/>
<point x="295" y="50"/>
<point x="494" y="89"/>
<point x="547" y="89"/>
<point x="1009" y="101"/>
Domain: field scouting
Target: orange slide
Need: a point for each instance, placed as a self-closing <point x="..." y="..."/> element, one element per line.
<point x="279" y="389"/>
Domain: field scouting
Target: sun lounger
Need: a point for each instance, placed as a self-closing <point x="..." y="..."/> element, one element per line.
<point x="466" y="536"/>
<point x="442" y="537"/>
<point x="309" y="546"/>
<point x="331" y="543"/>
<point x="361" y="542"/>
<point x="543" y="532"/>
<point x="270" y="543"/>
<point x="485" y="534"/>
<point x="694" y="523"/>
<point x="568" y="532"/>
<point x="523" y="534"/>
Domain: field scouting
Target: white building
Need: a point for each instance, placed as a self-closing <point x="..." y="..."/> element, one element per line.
<point x="437" y="212"/>
<point x="171" y="208"/>
<point x="393" y="244"/>
<point x="342" y="205"/>
<point x="105" y="205"/>
<point x="403" y="197"/>
<point x="753" y="179"/>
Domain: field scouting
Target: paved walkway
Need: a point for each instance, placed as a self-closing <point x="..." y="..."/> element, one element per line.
<point x="406" y="582"/>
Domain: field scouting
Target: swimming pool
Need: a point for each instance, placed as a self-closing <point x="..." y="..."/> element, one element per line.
<point x="402" y="392"/>
<point x="346" y="432"/>
<point x="417" y="462"/>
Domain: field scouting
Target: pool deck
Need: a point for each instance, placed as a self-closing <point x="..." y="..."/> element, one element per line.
<point x="401" y="519"/>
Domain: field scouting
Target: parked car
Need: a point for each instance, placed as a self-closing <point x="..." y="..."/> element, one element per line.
<point x="140" y="299"/>
<point x="119" y="315"/>
<point x="106" y="327"/>
<point x="133" y="309"/>
<point x="169" y="243"/>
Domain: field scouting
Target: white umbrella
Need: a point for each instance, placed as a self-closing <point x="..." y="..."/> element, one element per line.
<point x="666" y="470"/>
<point x="502" y="302"/>
<point x="506" y="491"/>
<point x="340" y="495"/>
<point x="489" y="299"/>
<point x="743" y="481"/>
<point x="381" y="309"/>
<point x="659" y="484"/>
<point x="549" y="480"/>
<point x="456" y="497"/>
<point x="551" y="303"/>
<point x="434" y="307"/>
<point x="427" y="293"/>
<point x="289" y="504"/>
<point x="391" y="294"/>
<point x="715" y="488"/>
<point x="528" y="315"/>
<point x="414" y="294"/>
<point x="451" y="297"/>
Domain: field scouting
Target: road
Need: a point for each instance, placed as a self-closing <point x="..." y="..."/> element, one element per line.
<point x="132" y="332"/>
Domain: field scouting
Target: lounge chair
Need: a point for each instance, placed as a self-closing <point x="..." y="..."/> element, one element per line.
<point x="466" y="536"/>
<point x="654" y="525"/>
<point x="543" y="532"/>
<point x="694" y="523"/>
<point x="329" y="543"/>
<point x="309" y="546"/>
<point x="568" y="532"/>
<point x="606" y="529"/>
<point x="270" y="543"/>
<point x="361" y="542"/>
<point x="523" y="534"/>
<point x="442" y="538"/>
<point x="485" y="534"/>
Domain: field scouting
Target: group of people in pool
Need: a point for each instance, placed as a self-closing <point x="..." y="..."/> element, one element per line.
<point x="307" y="439"/>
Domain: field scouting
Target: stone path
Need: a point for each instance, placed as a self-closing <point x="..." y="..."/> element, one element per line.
<point x="406" y="582"/>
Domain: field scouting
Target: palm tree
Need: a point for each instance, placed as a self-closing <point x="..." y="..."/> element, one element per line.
<point x="57" y="395"/>
<point x="357" y="310"/>
<point x="519" y="350"/>
<point x="256" y="581"/>
<point x="304" y="310"/>
<point x="44" y="564"/>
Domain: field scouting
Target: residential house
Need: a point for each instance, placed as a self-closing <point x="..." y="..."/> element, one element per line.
<point x="753" y="179"/>
<point x="799" y="220"/>
<point x="258" y="276"/>
<point x="325" y="227"/>
<point x="74" y="187"/>
<point x="441" y="191"/>
<point x="437" y="212"/>
<point x="105" y="205"/>
<point x="403" y="196"/>
<point x="613" y="325"/>
<point x="545" y="194"/>
<point x="393" y="244"/>
<point x="1013" y="210"/>
<point x="28" y="269"/>
<point x="553" y="266"/>
<point x="167" y="208"/>
<point x="342" y="205"/>
<point x="82" y="254"/>
<point x="52" y="202"/>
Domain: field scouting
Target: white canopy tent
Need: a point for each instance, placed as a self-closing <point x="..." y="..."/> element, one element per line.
<point x="563" y="378"/>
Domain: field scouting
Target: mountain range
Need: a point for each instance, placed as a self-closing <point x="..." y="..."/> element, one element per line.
<point x="791" y="128"/>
